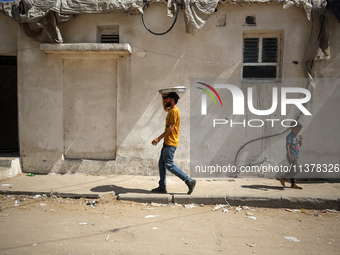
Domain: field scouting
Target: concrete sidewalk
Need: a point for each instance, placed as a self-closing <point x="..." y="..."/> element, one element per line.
<point x="257" y="192"/>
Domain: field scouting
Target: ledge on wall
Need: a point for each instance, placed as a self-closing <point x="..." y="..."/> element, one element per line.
<point x="117" y="49"/>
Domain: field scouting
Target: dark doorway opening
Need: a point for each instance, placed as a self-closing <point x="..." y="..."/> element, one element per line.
<point x="9" y="138"/>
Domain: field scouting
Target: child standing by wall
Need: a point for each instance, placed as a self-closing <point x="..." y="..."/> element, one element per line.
<point x="293" y="144"/>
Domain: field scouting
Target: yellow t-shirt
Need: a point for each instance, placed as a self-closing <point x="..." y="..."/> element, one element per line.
<point x="173" y="117"/>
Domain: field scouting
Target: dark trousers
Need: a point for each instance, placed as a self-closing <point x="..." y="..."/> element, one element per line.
<point x="294" y="167"/>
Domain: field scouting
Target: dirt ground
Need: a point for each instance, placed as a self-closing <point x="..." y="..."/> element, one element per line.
<point x="52" y="225"/>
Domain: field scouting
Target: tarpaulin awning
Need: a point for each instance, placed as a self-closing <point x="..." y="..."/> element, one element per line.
<point x="40" y="18"/>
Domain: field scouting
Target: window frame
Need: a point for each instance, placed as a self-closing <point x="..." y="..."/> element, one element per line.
<point x="278" y="64"/>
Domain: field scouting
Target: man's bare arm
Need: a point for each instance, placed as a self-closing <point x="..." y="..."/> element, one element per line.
<point x="164" y="134"/>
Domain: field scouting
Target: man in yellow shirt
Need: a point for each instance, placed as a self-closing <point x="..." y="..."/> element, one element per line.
<point x="171" y="138"/>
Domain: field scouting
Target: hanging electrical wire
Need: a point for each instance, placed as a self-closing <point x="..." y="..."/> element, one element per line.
<point x="155" y="33"/>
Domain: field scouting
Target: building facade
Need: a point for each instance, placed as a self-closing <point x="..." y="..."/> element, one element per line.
<point x="89" y="106"/>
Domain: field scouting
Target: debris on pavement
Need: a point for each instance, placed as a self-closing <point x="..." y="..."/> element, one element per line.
<point x="217" y="207"/>
<point x="237" y="209"/>
<point x="296" y="210"/>
<point x="7" y="185"/>
<point x="87" y="223"/>
<point x="93" y="203"/>
<point x="292" y="239"/>
<point x="156" y="204"/>
<point x="189" y="206"/>
<point x="149" y="216"/>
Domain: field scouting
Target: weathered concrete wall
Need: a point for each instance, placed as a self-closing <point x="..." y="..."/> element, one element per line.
<point x="9" y="36"/>
<point x="123" y="90"/>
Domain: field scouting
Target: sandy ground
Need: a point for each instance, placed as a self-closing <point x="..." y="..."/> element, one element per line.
<point x="52" y="225"/>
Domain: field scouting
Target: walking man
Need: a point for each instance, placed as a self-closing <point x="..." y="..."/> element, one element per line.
<point x="171" y="138"/>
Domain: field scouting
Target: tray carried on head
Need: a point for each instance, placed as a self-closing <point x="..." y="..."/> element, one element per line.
<point x="178" y="89"/>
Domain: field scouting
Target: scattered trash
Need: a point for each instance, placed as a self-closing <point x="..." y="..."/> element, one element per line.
<point x="85" y="223"/>
<point x="217" y="207"/>
<point x="30" y="174"/>
<point x="331" y="210"/>
<point x="237" y="209"/>
<point x="186" y="243"/>
<point x="154" y="228"/>
<point x="7" y="185"/>
<point x="174" y="205"/>
<point x="303" y="210"/>
<point x="149" y="216"/>
<point x="16" y="203"/>
<point x="93" y="203"/>
<point x="155" y="204"/>
<point x="249" y="214"/>
<point x="222" y="235"/>
<point x="224" y="210"/>
<point x="292" y="239"/>
<point x="251" y="244"/>
<point x="34" y="244"/>
<point x="295" y="210"/>
<point x="107" y="238"/>
<point x="4" y="215"/>
<point x="148" y="208"/>
<point x="189" y="206"/>
<point x="144" y="204"/>
<point x="245" y="207"/>
<point x="21" y="199"/>
<point x="251" y="217"/>
<point x="36" y="196"/>
<point x="43" y="204"/>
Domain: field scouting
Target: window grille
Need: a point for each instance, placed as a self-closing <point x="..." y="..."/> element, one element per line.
<point x="109" y="38"/>
<point x="108" y="34"/>
<point x="260" y="57"/>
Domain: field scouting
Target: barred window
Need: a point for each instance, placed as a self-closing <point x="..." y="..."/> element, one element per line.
<point x="261" y="57"/>
<point x="108" y="34"/>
